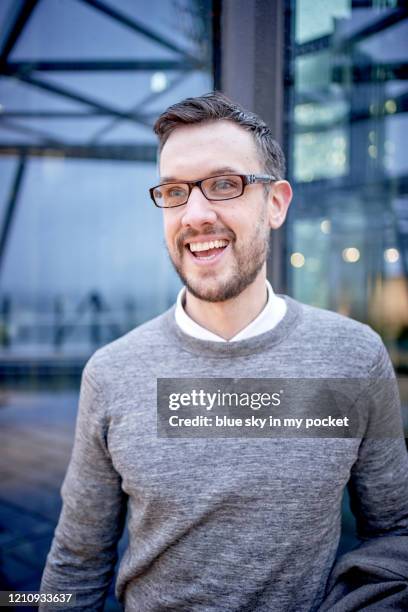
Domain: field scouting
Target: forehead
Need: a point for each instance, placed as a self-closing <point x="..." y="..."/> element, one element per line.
<point x="196" y="150"/>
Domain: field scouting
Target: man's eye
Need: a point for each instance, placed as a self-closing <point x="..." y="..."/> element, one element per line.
<point x="176" y="192"/>
<point x="223" y="185"/>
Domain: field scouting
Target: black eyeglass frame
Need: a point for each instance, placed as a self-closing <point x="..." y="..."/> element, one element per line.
<point x="247" y="179"/>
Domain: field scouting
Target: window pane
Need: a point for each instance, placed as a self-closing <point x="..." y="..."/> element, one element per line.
<point x="347" y="132"/>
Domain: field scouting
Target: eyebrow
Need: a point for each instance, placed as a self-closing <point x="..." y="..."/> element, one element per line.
<point x="214" y="172"/>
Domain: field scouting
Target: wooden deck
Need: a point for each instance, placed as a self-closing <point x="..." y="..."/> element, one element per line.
<point x="36" y="436"/>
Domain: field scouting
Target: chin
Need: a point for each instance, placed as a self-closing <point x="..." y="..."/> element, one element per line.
<point x="204" y="290"/>
<point x="215" y="292"/>
<point x="208" y="296"/>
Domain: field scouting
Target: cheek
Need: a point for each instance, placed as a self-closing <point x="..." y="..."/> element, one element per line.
<point x="169" y="228"/>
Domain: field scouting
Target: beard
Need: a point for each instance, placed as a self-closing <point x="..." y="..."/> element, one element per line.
<point x="228" y="283"/>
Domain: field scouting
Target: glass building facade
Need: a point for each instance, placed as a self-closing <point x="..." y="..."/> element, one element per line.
<point x="81" y="252"/>
<point x="346" y="124"/>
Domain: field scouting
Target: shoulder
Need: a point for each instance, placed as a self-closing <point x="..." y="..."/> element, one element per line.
<point x="129" y="353"/>
<point x="338" y="337"/>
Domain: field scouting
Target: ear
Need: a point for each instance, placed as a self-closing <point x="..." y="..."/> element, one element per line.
<point x="279" y="198"/>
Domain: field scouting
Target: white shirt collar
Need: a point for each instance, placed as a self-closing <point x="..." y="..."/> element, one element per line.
<point x="268" y="318"/>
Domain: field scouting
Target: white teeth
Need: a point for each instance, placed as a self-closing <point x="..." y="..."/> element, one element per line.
<point x="206" y="246"/>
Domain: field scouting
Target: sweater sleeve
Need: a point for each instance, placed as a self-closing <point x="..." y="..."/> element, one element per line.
<point x="84" y="548"/>
<point x="376" y="572"/>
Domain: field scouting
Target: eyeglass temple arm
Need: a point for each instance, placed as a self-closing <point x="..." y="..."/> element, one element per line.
<point x="260" y="178"/>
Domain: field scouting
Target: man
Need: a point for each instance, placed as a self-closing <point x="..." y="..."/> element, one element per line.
<point x="227" y="523"/>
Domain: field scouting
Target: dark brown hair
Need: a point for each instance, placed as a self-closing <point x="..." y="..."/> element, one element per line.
<point x="215" y="106"/>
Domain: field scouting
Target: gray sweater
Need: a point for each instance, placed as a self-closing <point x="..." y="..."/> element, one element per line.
<point x="230" y="523"/>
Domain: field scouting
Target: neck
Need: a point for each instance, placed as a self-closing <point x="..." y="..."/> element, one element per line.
<point x="228" y="318"/>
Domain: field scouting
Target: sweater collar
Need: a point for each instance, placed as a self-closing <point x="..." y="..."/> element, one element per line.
<point x="244" y="347"/>
<point x="268" y="318"/>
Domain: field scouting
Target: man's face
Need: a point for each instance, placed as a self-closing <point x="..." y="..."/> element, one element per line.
<point x="222" y="272"/>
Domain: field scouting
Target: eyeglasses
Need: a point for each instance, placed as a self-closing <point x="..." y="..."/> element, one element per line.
<point x="223" y="187"/>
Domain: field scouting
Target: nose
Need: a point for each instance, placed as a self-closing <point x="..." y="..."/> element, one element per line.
<point x="198" y="211"/>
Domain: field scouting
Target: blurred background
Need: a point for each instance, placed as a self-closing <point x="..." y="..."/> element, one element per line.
<point x="82" y="257"/>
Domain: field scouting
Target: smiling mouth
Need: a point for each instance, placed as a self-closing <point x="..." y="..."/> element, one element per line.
<point x="207" y="250"/>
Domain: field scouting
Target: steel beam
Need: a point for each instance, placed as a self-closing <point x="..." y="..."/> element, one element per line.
<point x="45" y="136"/>
<point x="11" y="208"/>
<point x="397" y="185"/>
<point x="313" y="46"/>
<point x="383" y="23"/>
<point x="136" y="26"/>
<point x="344" y="43"/>
<point x="216" y="19"/>
<point x="371" y="73"/>
<point x="77" y="97"/>
<point x="12" y="68"/>
<point x="368" y="4"/>
<point x="151" y="97"/>
<point x="119" y="152"/>
<point x="16" y="26"/>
